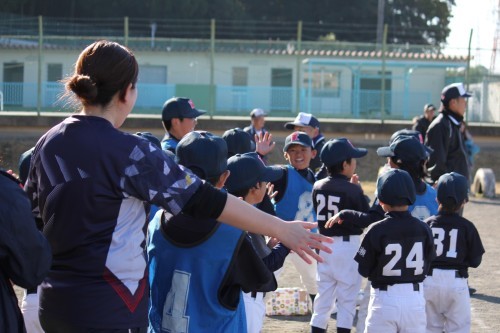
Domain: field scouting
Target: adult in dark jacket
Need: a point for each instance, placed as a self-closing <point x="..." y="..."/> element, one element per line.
<point x="444" y="136"/>
<point x="25" y="255"/>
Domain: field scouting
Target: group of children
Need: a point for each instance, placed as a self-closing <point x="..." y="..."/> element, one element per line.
<point x="215" y="278"/>
<point x="208" y="277"/>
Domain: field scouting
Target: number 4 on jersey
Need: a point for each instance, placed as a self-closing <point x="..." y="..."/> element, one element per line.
<point x="174" y="310"/>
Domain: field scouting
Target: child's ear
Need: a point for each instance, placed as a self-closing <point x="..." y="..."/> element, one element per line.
<point x="222" y="179"/>
<point x="313" y="152"/>
<point x="286" y="156"/>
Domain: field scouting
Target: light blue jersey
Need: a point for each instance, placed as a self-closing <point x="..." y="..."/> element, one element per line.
<point x="186" y="279"/>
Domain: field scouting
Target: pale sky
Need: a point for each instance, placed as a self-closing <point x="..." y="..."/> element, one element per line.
<point x="481" y="16"/>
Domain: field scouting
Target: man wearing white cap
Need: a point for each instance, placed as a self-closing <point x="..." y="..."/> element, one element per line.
<point x="444" y="136"/>
<point x="258" y="120"/>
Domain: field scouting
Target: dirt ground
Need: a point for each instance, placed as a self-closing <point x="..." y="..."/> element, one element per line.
<point x="485" y="303"/>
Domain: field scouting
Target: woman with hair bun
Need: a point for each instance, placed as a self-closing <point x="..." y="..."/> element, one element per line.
<point x="90" y="185"/>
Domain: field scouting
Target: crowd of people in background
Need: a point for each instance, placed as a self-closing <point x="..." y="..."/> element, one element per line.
<point x="119" y="232"/>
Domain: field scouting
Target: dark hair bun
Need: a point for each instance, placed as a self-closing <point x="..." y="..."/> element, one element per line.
<point x="83" y="87"/>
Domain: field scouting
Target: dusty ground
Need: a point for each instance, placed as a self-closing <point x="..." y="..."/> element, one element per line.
<point x="485" y="304"/>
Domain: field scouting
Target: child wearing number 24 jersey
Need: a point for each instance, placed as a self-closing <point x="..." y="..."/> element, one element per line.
<point x="395" y="255"/>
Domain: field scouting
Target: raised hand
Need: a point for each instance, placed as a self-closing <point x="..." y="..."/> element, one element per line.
<point x="264" y="143"/>
<point x="333" y="220"/>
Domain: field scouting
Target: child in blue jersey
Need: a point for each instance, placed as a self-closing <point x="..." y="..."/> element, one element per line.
<point x="248" y="180"/>
<point x="294" y="198"/>
<point x="458" y="247"/>
<point x="197" y="270"/>
<point x="338" y="277"/>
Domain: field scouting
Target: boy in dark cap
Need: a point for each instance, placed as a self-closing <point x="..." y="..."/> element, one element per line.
<point x="248" y="180"/>
<point x="444" y="136"/>
<point x="179" y="118"/>
<point x="198" y="266"/>
<point x="338" y="277"/>
<point x="395" y="256"/>
<point x="307" y="123"/>
<point x="294" y="196"/>
<point x="458" y="247"/>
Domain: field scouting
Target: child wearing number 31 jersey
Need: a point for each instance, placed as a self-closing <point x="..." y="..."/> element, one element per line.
<point x="458" y="247"/>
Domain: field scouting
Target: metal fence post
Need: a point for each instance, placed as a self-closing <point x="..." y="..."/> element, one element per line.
<point x="39" y="80"/>
<point x="125" y="31"/>
<point x="212" y="60"/>
<point x="298" y="83"/>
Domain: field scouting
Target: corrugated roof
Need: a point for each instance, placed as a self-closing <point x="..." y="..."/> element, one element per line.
<point x="258" y="47"/>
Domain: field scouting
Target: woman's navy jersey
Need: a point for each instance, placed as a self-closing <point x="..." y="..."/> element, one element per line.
<point x="398" y="249"/>
<point x="457" y="241"/>
<point x="88" y="184"/>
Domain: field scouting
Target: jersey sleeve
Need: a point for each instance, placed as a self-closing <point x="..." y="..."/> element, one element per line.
<point x="153" y="176"/>
<point x="475" y="246"/>
<point x="366" y="255"/>
<point x="438" y="140"/>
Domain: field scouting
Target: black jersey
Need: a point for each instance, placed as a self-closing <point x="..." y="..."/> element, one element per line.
<point x="398" y="249"/>
<point x="333" y="194"/>
<point x="457" y="241"/>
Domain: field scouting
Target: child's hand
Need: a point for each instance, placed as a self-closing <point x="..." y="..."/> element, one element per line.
<point x="264" y="143"/>
<point x="332" y="220"/>
<point x="355" y="179"/>
<point x="272" y="242"/>
<point x="270" y="190"/>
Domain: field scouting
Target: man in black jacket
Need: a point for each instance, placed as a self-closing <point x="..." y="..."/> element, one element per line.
<point x="444" y="136"/>
<point x="25" y="254"/>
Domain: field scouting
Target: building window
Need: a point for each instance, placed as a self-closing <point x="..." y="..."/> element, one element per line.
<point x="152" y="74"/>
<point x="323" y="83"/>
<point x="240" y="76"/>
<point x="54" y="72"/>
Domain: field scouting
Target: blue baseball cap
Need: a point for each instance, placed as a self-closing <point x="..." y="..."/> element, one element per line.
<point x="150" y="137"/>
<point x="395" y="187"/>
<point x="180" y="107"/>
<point x="338" y="150"/>
<point x="303" y="119"/>
<point x="405" y="149"/>
<point x="452" y="189"/>
<point x="238" y="141"/>
<point x="406" y="132"/>
<point x="249" y="169"/>
<point x="203" y="153"/>
<point x="297" y="138"/>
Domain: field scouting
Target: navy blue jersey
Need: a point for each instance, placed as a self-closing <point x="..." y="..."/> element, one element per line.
<point x="398" y="249"/>
<point x="88" y="184"/>
<point x="457" y="241"/>
<point x="333" y="194"/>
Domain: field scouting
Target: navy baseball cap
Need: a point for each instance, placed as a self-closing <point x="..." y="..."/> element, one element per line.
<point x="258" y="112"/>
<point x="303" y="119"/>
<point x="179" y="107"/>
<point x="452" y="189"/>
<point x="405" y="149"/>
<point x="406" y="132"/>
<point x="395" y="187"/>
<point x="249" y="169"/>
<point x="24" y="164"/>
<point x="452" y="91"/>
<point x="238" y="141"/>
<point x="150" y="137"/>
<point x="203" y="153"/>
<point x="297" y="138"/>
<point x="338" y="150"/>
